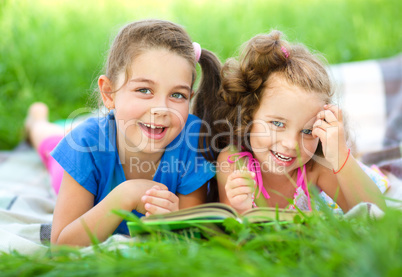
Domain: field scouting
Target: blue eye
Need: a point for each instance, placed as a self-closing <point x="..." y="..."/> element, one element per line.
<point x="144" y="90"/>
<point x="277" y="123"/>
<point x="178" y="95"/>
<point x="307" y="131"/>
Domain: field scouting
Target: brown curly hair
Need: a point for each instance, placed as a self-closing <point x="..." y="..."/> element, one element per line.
<point x="228" y="113"/>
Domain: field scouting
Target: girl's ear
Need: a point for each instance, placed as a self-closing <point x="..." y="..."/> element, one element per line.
<point x="106" y="90"/>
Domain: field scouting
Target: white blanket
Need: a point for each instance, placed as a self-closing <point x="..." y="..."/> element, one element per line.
<point x="26" y="202"/>
<point x="26" y="205"/>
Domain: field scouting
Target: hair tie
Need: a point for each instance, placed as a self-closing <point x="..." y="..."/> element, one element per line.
<point x="197" y="51"/>
<point x="285" y="52"/>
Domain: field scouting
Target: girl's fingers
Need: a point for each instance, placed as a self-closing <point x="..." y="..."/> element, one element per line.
<point x="163" y="194"/>
<point x="158" y="192"/>
<point x="241" y="198"/>
<point x="241" y="174"/>
<point x="335" y="110"/>
<point x="330" y="117"/>
<point x="321" y="124"/>
<point x="247" y="190"/>
<point x="154" y="209"/>
<point x="158" y="201"/>
<point x="320" y="133"/>
<point x="239" y="182"/>
<point x="160" y="187"/>
<point x="240" y="195"/>
<point x="327" y="116"/>
<point x="240" y="185"/>
<point x="157" y="204"/>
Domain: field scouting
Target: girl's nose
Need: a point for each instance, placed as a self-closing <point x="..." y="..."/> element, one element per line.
<point x="160" y="106"/>
<point x="289" y="141"/>
<point x="159" y="110"/>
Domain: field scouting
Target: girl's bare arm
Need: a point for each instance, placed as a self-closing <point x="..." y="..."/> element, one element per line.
<point x="75" y="213"/>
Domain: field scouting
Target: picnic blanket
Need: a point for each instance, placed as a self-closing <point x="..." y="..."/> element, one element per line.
<point x="27" y="202"/>
<point x="370" y="93"/>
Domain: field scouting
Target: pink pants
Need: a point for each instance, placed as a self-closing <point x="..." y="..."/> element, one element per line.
<point x="53" y="167"/>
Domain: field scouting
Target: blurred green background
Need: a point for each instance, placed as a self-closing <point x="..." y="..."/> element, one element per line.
<point x="53" y="50"/>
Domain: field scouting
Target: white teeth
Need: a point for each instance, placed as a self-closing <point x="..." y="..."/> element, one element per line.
<point x="282" y="157"/>
<point x="152" y="126"/>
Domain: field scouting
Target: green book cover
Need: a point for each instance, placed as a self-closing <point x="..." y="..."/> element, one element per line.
<point x="210" y="214"/>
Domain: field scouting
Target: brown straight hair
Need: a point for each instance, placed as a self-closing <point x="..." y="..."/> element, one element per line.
<point x="137" y="37"/>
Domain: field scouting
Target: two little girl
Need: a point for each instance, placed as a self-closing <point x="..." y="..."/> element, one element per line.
<point x="273" y="108"/>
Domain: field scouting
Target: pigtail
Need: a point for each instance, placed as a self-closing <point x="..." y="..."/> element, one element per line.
<point x="207" y="92"/>
<point x="263" y="54"/>
<point x="205" y="102"/>
<point x="207" y="99"/>
<point x="245" y="78"/>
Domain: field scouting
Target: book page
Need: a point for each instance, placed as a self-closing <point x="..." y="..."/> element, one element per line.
<point x="209" y="211"/>
<point x="265" y="214"/>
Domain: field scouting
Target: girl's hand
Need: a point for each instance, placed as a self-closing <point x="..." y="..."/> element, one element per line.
<point x="159" y="200"/>
<point x="330" y="129"/>
<point x="240" y="187"/>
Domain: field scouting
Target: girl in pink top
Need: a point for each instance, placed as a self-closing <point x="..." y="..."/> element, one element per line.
<point x="275" y="107"/>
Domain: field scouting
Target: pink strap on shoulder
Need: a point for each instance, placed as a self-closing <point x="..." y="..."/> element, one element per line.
<point x="253" y="166"/>
<point x="301" y="182"/>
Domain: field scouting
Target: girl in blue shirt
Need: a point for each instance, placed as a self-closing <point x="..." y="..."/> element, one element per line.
<point x="142" y="156"/>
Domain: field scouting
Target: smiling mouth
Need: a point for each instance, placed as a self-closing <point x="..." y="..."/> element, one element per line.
<point x="153" y="128"/>
<point x="282" y="157"/>
<point x="153" y="131"/>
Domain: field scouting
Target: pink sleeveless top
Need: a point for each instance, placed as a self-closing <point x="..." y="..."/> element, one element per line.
<point x="301" y="197"/>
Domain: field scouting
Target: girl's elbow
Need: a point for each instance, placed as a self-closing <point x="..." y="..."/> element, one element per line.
<point x="57" y="239"/>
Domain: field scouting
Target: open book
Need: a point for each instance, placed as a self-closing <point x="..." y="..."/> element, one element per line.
<point x="207" y="214"/>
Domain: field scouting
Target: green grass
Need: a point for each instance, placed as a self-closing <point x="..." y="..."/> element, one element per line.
<point x="321" y="246"/>
<point x="53" y="51"/>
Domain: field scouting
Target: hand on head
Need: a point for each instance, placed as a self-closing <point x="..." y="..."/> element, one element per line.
<point x="329" y="128"/>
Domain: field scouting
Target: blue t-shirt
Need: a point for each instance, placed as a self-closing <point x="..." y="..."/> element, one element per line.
<point x="89" y="154"/>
